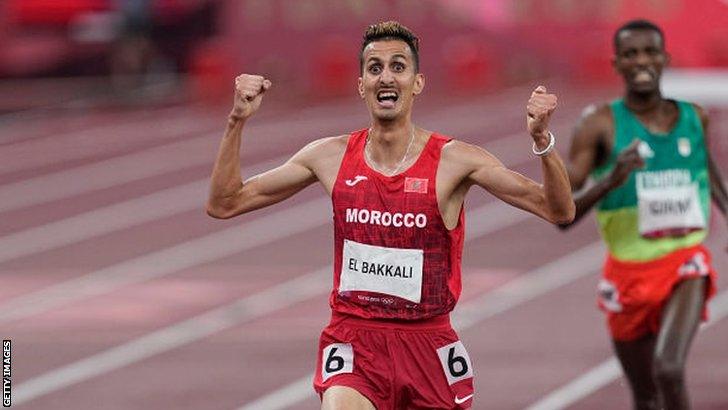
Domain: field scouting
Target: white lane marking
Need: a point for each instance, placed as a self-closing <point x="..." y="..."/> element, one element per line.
<point x="114" y="217"/>
<point x="515" y="292"/>
<point x="581" y="387"/>
<point x="168" y="338"/>
<point x="118" y="130"/>
<point x="609" y="370"/>
<point x="537" y="282"/>
<point x="285" y="397"/>
<point x="173" y="259"/>
<point x="106" y="139"/>
<point x="224" y="317"/>
<point x="104" y="174"/>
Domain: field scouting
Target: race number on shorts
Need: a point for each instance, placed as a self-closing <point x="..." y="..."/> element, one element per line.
<point x="609" y="295"/>
<point x="455" y="362"/>
<point x="336" y="358"/>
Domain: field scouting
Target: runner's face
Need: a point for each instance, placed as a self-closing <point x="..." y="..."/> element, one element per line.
<point x="640" y="59"/>
<point x="389" y="82"/>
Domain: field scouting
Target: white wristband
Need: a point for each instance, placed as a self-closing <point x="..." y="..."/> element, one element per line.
<point x="552" y="142"/>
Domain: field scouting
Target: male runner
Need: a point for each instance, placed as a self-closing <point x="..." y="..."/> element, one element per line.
<point x="654" y="178"/>
<point x="397" y="192"/>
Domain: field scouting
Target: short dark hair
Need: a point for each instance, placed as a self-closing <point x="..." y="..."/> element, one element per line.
<point x="638" y="24"/>
<point x="390" y="30"/>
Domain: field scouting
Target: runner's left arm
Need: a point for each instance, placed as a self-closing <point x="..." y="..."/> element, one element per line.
<point x="717" y="186"/>
<point x="551" y="200"/>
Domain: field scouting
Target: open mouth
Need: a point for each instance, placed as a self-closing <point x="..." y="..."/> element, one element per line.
<point x="643" y="76"/>
<point x="387" y="98"/>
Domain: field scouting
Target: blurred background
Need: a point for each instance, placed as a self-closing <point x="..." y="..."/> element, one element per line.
<point x="191" y="48"/>
<point x="118" y="292"/>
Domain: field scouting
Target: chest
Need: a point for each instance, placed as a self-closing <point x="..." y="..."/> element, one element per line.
<point x="660" y="122"/>
<point x="410" y="192"/>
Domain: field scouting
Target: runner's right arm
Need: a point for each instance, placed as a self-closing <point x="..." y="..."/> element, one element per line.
<point x="717" y="185"/>
<point x="588" y="150"/>
<point x="229" y="195"/>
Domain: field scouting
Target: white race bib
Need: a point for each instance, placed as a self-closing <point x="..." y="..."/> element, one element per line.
<point x="391" y="271"/>
<point x="667" y="203"/>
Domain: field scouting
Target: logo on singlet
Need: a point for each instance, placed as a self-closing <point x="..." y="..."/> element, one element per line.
<point x="356" y="180"/>
<point x="683" y="147"/>
<point x="645" y="150"/>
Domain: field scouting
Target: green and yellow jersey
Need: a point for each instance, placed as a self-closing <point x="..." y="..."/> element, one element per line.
<point x="666" y="205"/>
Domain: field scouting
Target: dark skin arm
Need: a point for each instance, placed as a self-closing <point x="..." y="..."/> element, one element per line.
<point x="717" y="186"/>
<point x="591" y="144"/>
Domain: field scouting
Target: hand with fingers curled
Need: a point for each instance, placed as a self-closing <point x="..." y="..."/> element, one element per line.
<point x="249" y="90"/>
<point x="539" y="109"/>
<point x="627" y="161"/>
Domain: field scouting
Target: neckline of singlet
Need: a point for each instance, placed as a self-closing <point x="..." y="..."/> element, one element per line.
<point x="656" y="136"/>
<point x="371" y="169"/>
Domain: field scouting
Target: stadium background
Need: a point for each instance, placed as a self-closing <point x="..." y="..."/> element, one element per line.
<point x="118" y="292"/>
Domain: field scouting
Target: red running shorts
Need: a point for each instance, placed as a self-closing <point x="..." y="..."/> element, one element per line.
<point x="633" y="294"/>
<point x="396" y="364"/>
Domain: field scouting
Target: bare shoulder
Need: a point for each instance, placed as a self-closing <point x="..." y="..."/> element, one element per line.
<point x="322" y="148"/>
<point x="702" y="114"/>
<point x="596" y="118"/>
<point x="595" y="128"/>
<point x="326" y="145"/>
<point x="466" y="157"/>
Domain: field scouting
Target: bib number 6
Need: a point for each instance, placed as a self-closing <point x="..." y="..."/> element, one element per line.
<point x="336" y="358"/>
<point x="455" y="362"/>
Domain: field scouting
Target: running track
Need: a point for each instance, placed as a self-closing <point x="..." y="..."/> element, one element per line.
<point x="118" y="292"/>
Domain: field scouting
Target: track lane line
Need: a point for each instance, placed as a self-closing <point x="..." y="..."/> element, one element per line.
<point x="85" y="144"/>
<point x="609" y="370"/>
<point x="100" y="221"/>
<point x="173" y="259"/>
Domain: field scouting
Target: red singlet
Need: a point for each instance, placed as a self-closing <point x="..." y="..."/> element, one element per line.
<point x="393" y="256"/>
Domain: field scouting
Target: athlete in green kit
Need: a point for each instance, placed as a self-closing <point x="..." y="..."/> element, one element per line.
<point x="653" y="181"/>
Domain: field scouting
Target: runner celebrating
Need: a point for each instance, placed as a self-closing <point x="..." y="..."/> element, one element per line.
<point x="654" y="178"/>
<point x="397" y="192"/>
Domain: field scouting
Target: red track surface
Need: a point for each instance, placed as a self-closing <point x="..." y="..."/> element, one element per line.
<point x="92" y="162"/>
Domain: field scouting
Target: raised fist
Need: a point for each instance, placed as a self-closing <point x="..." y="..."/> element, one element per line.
<point x="249" y="90"/>
<point x="539" y="109"/>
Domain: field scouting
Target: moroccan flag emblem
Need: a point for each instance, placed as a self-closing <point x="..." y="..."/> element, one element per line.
<point x="417" y="185"/>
